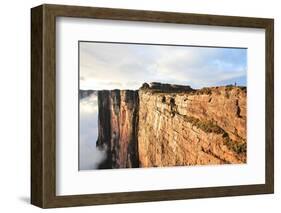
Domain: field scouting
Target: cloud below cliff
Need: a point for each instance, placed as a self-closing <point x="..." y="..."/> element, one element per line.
<point x="127" y="66"/>
<point x="90" y="157"/>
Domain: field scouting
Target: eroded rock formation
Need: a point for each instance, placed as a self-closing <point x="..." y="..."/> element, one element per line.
<point x="172" y="125"/>
<point x="118" y="125"/>
<point x="207" y="126"/>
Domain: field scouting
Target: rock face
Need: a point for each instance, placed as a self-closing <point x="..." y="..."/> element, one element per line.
<point x="206" y="126"/>
<point x="172" y="125"/>
<point x="118" y="125"/>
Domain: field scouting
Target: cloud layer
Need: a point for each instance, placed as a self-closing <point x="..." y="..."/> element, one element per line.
<point x="127" y="66"/>
<point x="90" y="156"/>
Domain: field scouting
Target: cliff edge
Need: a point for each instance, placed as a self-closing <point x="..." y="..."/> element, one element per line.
<point x="172" y="125"/>
<point x="192" y="127"/>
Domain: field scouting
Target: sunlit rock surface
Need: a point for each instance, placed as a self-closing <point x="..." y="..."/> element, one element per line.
<point x="118" y="125"/>
<point x="172" y="125"/>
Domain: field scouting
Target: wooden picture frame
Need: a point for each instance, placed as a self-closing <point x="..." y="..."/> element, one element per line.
<point x="43" y="105"/>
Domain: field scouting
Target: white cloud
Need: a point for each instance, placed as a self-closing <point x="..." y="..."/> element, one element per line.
<point x="127" y="66"/>
<point x="90" y="156"/>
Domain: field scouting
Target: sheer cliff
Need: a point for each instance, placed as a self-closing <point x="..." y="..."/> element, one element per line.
<point x="118" y="125"/>
<point x="201" y="127"/>
<point x="172" y="125"/>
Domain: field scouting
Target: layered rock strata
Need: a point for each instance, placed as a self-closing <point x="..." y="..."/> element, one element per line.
<point x="200" y="127"/>
<point x="172" y="125"/>
<point x="118" y="125"/>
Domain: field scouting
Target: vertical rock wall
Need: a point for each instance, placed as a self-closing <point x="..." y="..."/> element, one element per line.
<point x="118" y="125"/>
<point x="172" y="125"/>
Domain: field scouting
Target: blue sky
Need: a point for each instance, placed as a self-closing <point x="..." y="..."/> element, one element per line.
<point x="127" y="66"/>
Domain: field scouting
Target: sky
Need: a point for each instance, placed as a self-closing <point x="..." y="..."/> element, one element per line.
<point x="128" y="66"/>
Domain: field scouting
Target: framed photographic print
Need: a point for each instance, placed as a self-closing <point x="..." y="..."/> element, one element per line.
<point x="136" y="106"/>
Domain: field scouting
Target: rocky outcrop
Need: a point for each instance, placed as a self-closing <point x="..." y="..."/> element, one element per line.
<point x="159" y="87"/>
<point x="206" y="126"/>
<point x="118" y="125"/>
<point x="172" y="125"/>
<point x="86" y="93"/>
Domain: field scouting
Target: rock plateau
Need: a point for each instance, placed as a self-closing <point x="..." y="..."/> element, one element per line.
<point x="172" y="125"/>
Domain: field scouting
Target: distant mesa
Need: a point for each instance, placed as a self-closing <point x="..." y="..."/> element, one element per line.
<point x="166" y="87"/>
<point x="157" y="87"/>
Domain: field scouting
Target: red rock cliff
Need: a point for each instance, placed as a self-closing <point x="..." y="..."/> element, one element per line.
<point x="118" y="125"/>
<point x="172" y="125"/>
<point x="206" y="126"/>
